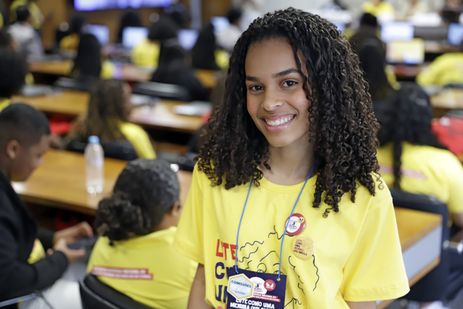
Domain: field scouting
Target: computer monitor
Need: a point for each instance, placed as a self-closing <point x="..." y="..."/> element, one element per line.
<point x="91" y="5"/>
<point x="131" y="36"/>
<point x="455" y="34"/>
<point x="405" y="52"/>
<point x="396" y="31"/>
<point x="220" y="23"/>
<point x="187" y="38"/>
<point x="100" y="31"/>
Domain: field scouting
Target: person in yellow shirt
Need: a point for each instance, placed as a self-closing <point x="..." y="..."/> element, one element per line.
<point x="411" y="157"/>
<point x="380" y="8"/>
<point x="445" y="69"/>
<point x="13" y="70"/>
<point x="146" y="53"/>
<point x="89" y="62"/>
<point x="107" y="117"/>
<point x="286" y="208"/>
<point x="134" y="253"/>
<point x="36" y="13"/>
<point x="70" y="42"/>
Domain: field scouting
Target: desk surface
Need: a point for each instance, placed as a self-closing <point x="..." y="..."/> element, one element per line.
<point x="60" y="182"/>
<point x="161" y="116"/>
<point x="127" y="72"/>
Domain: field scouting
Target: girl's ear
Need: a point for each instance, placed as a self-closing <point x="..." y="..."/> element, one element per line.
<point x="12" y="149"/>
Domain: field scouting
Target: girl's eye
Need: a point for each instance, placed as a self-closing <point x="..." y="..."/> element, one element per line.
<point x="254" y="88"/>
<point x="289" y="83"/>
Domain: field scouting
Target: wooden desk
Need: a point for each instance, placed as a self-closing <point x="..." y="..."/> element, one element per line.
<point x="126" y="72"/>
<point x="161" y="116"/>
<point x="420" y="236"/>
<point x="60" y="182"/>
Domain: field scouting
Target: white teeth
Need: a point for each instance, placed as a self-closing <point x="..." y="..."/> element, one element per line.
<point x="279" y="121"/>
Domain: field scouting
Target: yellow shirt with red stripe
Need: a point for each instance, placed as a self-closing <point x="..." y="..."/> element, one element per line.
<point x="146" y="268"/>
<point x="353" y="255"/>
<point x="427" y="170"/>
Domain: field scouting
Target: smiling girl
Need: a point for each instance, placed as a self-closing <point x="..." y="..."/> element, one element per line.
<point x="286" y="208"/>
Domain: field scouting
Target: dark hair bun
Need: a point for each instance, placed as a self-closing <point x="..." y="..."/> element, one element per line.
<point x="119" y="219"/>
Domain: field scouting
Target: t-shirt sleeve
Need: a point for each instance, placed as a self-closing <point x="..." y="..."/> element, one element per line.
<point x="455" y="181"/>
<point x="375" y="269"/>
<point x="189" y="237"/>
<point x="139" y="139"/>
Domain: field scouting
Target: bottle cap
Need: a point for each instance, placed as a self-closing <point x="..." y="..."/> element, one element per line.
<point x="93" y="139"/>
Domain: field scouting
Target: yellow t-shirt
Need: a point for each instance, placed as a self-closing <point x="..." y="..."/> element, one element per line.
<point x="445" y="69"/>
<point x="70" y="42"/>
<point x="139" y="140"/>
<point x="107" y="70"/>
<point x="146" y="54"/>
<point x="353" y="255"/>
<point x="4" y="103"/>
<point x="382" y="10"/>
<point x="427" y="170"/>
<point x="146" y="268"/>
<point x="37" y="253"/>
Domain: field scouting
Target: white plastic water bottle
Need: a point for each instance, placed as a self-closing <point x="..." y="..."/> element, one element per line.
<point x="94" y="159"/>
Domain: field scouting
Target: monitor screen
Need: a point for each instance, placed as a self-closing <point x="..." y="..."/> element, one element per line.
<point x="131" y="36"/>
<point x="396" y="31"/>
<point x="405" y="52"/>
<point x="187" y="38"/>
<point x="91" y="5"/>
<point x="220" y="23"/>
<point x="100" y="31"/>
<point x="455" y="34"/>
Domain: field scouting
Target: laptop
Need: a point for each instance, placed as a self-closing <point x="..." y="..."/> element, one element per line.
<point x="132" y="36"/>
<point x="396" y="31"/>
<point x="405" y="52"/>
<point x="220" y="23"/>
<point x="100" y="31"/>
<point x="187" y="38"/>
<point x="455" y="34"/>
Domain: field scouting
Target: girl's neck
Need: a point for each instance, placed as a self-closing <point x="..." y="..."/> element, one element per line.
<point x="289" y="166"/>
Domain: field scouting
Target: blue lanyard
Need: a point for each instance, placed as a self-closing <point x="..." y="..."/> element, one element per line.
<point x="286" y="224"/>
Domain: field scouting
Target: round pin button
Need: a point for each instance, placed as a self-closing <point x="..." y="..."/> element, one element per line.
<point x="295" y="224"/>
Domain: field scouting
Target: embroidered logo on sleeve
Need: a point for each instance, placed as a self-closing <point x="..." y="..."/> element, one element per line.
<point x="122" y="273"/>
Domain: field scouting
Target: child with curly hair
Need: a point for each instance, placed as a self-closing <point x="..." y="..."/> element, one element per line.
<point x="286" y="207"/>
<point x="134" y="253"/>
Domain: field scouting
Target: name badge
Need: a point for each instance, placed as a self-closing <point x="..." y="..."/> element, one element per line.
<point x="253" y="290"/>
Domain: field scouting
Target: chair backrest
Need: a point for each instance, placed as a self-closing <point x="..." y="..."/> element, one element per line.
<point x="120" y="149"/>
<point x="163" y="91"/>
<point x="97" y="295"/>
<point x="431" y="287"/>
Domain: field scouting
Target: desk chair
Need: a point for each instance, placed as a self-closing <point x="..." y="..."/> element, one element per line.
<point x="163" y="91"/>
<point x="441" y="283"/>
<point x="97" y="295"/>
<point x="121" y="150"/>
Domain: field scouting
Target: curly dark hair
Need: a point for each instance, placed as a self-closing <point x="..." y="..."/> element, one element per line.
<point x="342" y="124"/>
<point x="405" y="118"/>
<point x="144" y="191"/>
<point x="105" y="109"/>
